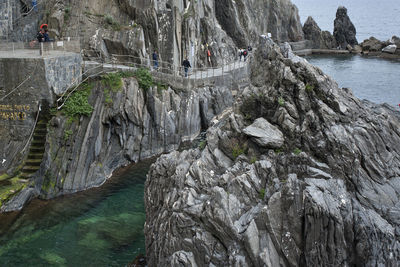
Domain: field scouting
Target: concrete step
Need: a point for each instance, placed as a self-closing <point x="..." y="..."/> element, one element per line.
<point x="35" y="156"/>
<point x="38" y="143"/>
<point x="30" y="169"/>
<point x="33" y="162"/>
<point x="35" y="149"/>
<point x="40" y="131"/>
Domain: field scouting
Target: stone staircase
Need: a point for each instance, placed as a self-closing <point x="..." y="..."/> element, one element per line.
<point x="37" y="148"/>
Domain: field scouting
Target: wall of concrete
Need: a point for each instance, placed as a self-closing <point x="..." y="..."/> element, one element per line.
<point x="44" y="79"/>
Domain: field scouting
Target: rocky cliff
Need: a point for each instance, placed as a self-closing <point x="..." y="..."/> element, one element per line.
<point x="176" y="28"/>
<point x="298" y="173"/>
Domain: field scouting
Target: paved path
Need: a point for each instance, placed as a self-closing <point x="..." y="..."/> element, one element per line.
<point x="197" y="74"/>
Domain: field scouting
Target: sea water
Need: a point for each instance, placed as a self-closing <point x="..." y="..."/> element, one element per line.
<point x="374" y="79"/>
<point x="99" y="227"/>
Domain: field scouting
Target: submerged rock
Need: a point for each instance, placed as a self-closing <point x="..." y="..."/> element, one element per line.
<point x="344" y="30"/>
<point x="328" y="197"/>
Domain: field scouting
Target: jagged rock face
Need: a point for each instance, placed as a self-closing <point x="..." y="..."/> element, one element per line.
<point x="320" y="39"/>
<point x="125" y="126"/>
<point x="175" y="28"/>
<point x="328" y="197"/>
<point x="344" y="30"/>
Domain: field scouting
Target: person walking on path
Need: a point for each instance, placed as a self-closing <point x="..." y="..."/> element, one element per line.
<point x="186" y="65"/>
<point x="34" y="5"/>
<point x="240" y="53"/>
<point x="155" y="59"/>
<point x="209" y="56"/>
<point x="245" y="55"/>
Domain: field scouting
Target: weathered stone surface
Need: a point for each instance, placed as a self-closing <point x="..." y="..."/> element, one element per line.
<point x="320" y="39"/>
<point x="344" y="30"/>
<point x="391" y="49"/>
<point x="265" y="134"/>
<point x="329" y="197"/>
<point x="130" y="126"/>
<point x="372" y="44"/>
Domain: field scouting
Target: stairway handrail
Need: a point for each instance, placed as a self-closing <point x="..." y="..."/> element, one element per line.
<point x="34" y="127"/>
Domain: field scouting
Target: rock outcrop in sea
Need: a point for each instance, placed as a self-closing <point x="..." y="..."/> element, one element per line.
<point x="344" y="30"/>
<point x="320" y="39"/>
<point x="298" y="172"/>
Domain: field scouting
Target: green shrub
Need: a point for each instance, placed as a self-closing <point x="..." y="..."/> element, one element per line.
<point x="78" y="103"/>
<point x="110" y="21"/>
<point x="67" y="134"/>
<point x="67" y="13"/>
<point x="202" y="144"/>
<point x="113" y="81"/>
<point x="262" y="194"/>
<point x="309" y="88"/>
<point x="281" y="101"/>
<point x="253" y="160"/>
<point x="238" y="150"/>
<point x="297" y="151"/>
<point x="144" y="78"/>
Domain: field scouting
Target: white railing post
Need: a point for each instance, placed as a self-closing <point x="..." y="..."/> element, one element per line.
<point x="41" y="49"/>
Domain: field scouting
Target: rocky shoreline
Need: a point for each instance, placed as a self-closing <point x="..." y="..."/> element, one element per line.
<point x="298" y="173"/>
<point x="343" y="40"/>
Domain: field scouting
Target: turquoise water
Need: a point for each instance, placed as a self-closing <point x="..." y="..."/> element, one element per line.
<point x="374" y="79"/>
<point x="100" y="227"/>
<point x="379" y="18"/>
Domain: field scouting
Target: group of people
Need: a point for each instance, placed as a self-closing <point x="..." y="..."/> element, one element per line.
<point x="244" y="53"/>
<point x="186" y="63"/>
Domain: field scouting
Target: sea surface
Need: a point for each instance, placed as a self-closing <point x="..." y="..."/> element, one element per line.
<point x="99" y="227"/>
<point x="374" y="79"/>
<point x="378" y="18"/>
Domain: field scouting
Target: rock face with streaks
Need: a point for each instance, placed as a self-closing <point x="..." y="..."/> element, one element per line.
<point x="176" y="28"/>
<point x="328" y="196"/>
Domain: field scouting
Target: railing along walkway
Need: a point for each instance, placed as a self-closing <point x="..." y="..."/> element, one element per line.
<point x="225" y="74"/>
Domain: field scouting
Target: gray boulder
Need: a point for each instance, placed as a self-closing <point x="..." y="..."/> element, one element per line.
<point x="265" y="134"/>
<point x="344" y="30"/>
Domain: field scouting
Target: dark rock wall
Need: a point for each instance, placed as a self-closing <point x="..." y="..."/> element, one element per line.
<point x="328" y="197"/>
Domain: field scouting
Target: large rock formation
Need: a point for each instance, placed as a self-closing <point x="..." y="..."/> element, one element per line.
<point x="328" y="197"/>
<point x="176" y="28"/>
<point x="320" y="39"/>
<point x="344" y="30"/>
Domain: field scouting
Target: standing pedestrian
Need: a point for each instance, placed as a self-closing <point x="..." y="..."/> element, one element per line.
<point x="155" y="59"/>
<point x="34" y="5"/>
<point x="186" y="65"/>
<point x="240" y="53"/>
<point x="245" y="55"/>
<point x="209" y="56"/>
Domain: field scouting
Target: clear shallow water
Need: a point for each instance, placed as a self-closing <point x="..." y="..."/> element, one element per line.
<point x="374" y="79"/>
<point x="378" y="18"/>
<point x="100" y="227"/>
